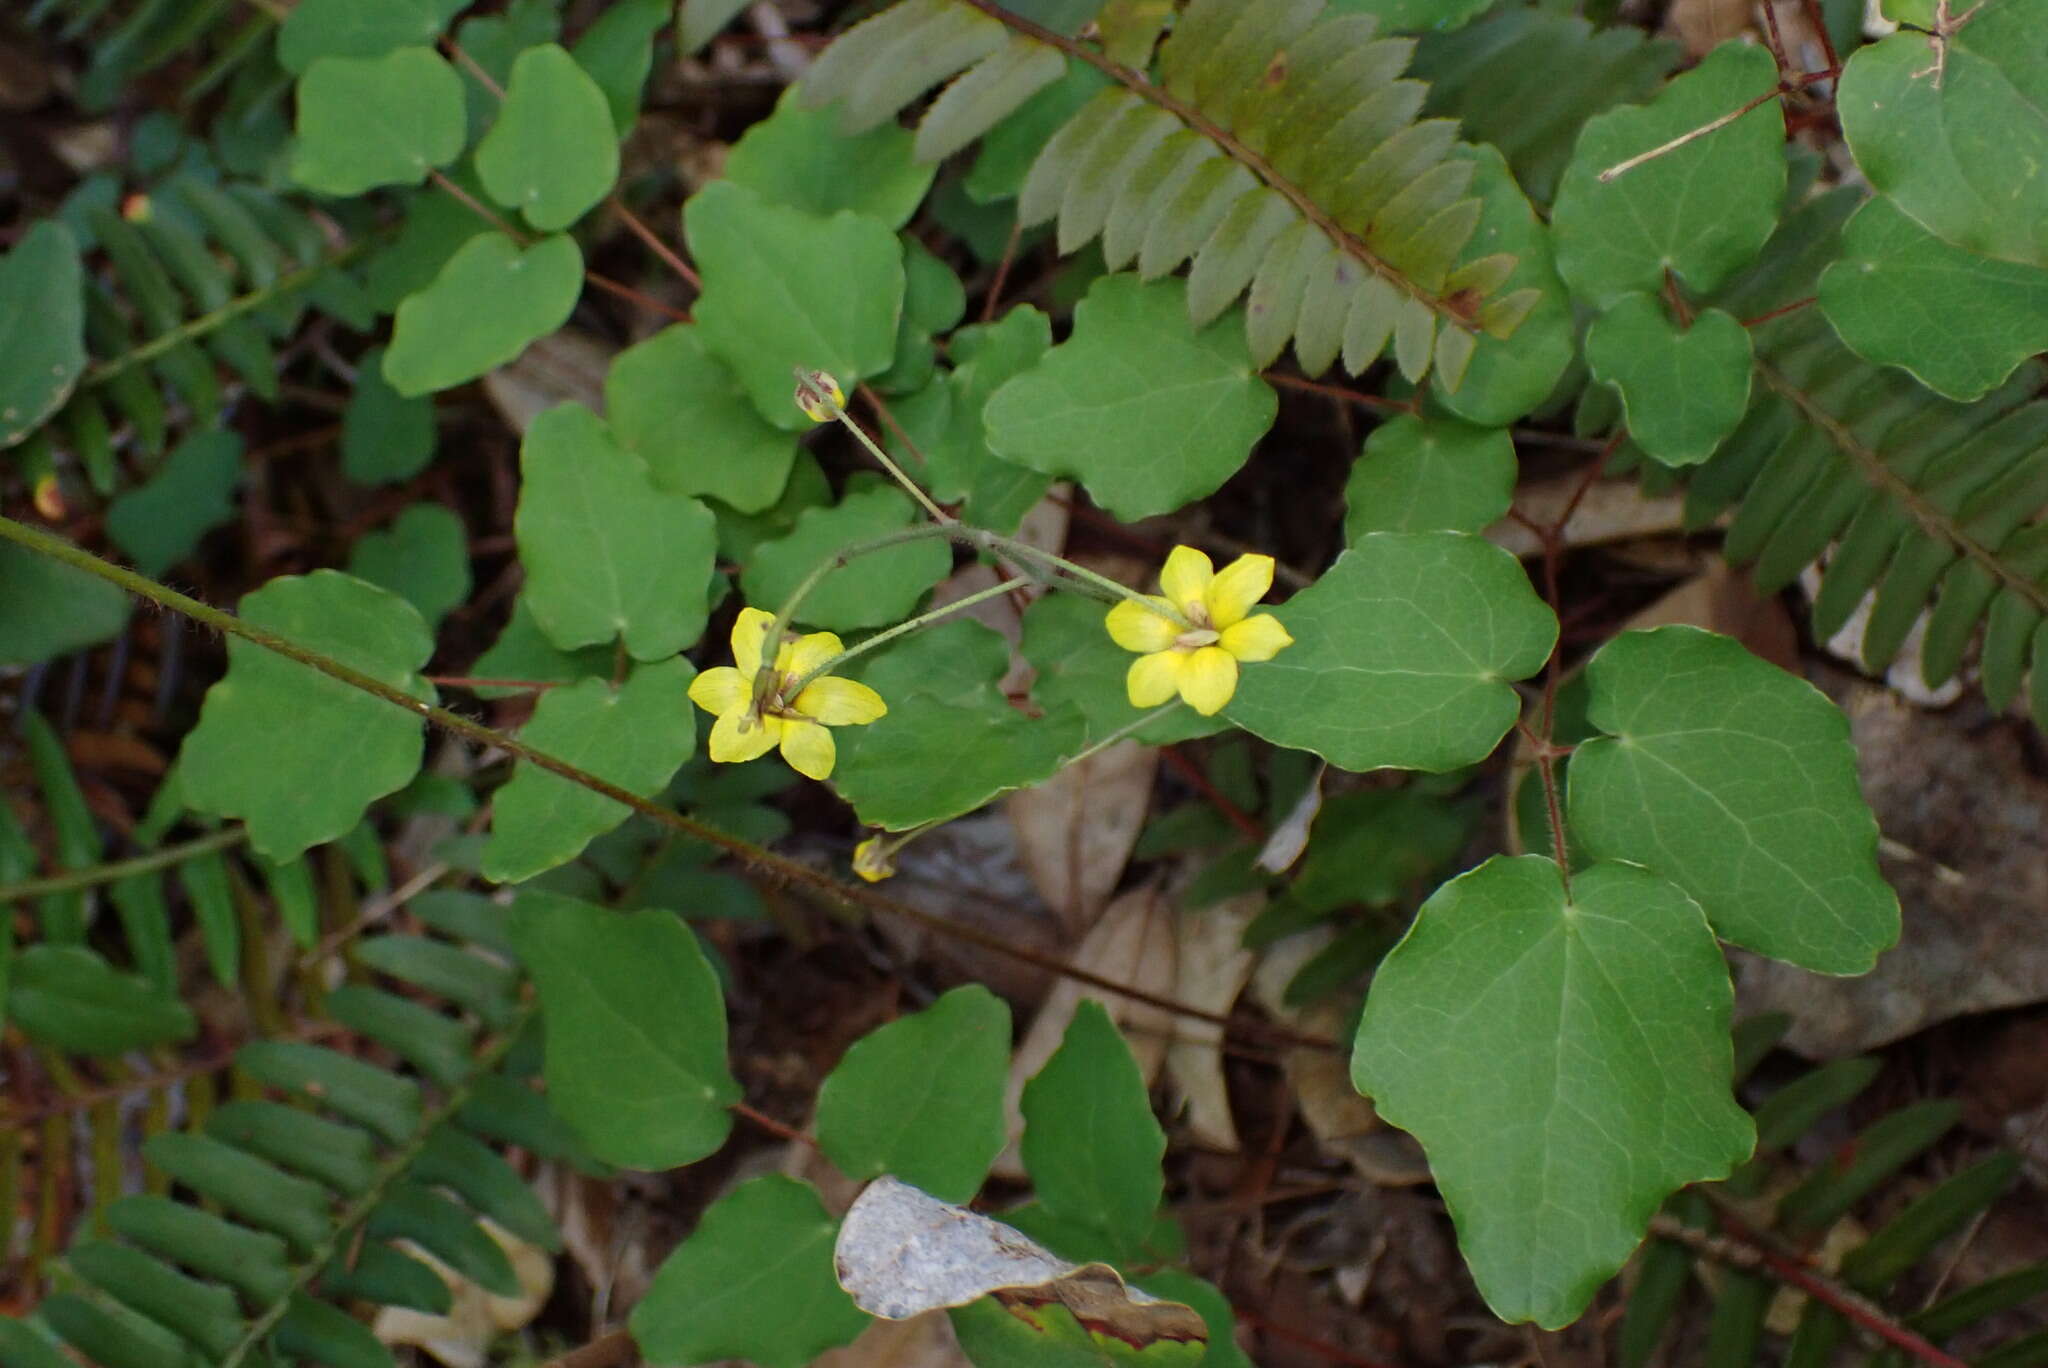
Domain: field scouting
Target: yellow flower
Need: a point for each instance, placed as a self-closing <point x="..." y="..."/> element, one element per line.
<point x="752" y="723"/>
<point x="1196" y="654"/>
<point x="873" y="861"/>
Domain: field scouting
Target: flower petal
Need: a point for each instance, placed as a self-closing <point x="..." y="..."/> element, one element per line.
<point x="808" y="653"/>
<point x="1241" y="584"/>
<point x="840" y="702"/>
<point x="1256" y="638"/>
<point x="749" y="632"/>
<point x="737" y="737"/>
<point x="1186" y="577"/>
<point x="872" y="861"/>
<point x="1153" y="679"/>
<point x="721" y="689"/>
<point x="1208" y="679"/>
<point x="1138" y="628"/>
<point x="808" y="748"/>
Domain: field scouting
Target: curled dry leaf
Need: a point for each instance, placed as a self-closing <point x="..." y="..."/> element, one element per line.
<point x="1611" y="511"/>
<point x="460" y="1338"/>
<point x="902" y="1252"/>
<point x="1075" y="831"/>
<point x="1213" y="967"/>
<point x="1132" y="944"/>
<point x="563" y="367"/>
<point x="1284" y="846"/>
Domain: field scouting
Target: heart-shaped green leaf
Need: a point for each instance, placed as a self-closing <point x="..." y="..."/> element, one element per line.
<point x="1737" y="782"/>
<point x="423" y="558"/>
<point x="607" y="555"/>
<point x="784" y="289"/>
<point x="1429" y="475"/>
<point x="158" y="523"/>
<point x="1146" y="414"/>
<point x="637" y="736"/>
<point x="754" y="1281"/>
<point x="635" y="1029"/>
<point x="1900" y="296"/>
<point x="922" y="1097"/>
<point x="313" y="29"/>
<point x="1959" y="138"/>
<point x="553" y="152"/>
<point x="485" y="307"/>
<point x="272" y="722"/>
<point x="1404" y="655"/>
<point x="1564" y="1060"/>
<point x="1683" y="389"/>
<point x="371" y="121"/>
<point x="1701" y="210"/>
<point x="42" y="328"/>
<point x="679" y="408"/>
<point x="797" y="157"/>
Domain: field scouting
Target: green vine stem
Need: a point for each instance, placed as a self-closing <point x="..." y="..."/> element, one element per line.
<point x="122" y="869"/>
<point x="786" y="872"/>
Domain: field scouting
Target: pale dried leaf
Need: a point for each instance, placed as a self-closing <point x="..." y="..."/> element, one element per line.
<point x="564" y="367"/>
<point x="1284" y="846"/>
<point x="921" y="1342"/>
<point x="1612" y="510"/>
<point x="1075" y="831"/>
<point x="1214" y="967"/>
<point x="460" y="1338"/>
<point x="902" y="1252"/>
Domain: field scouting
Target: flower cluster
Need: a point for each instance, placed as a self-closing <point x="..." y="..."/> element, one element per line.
<point x="1192" y="638"/>
<point x="758" y="709"/>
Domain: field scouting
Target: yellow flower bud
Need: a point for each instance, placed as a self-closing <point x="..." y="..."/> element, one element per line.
<point x="819" y="395"/>
<point x="872" y="861"/>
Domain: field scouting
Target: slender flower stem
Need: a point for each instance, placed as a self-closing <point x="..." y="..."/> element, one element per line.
<point x="901" y="629"/>
<point x="912" y="487"/>
<point x="1134" y="725"/>
<point x="122" y="869"/>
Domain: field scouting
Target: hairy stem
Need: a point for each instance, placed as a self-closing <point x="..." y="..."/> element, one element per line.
<point x="788" y="873"/>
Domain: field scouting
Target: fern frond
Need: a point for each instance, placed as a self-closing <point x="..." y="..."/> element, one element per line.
<point x="1279" y="155"/>
<point x="1526" y="80"/>
<point x="223" y="38"/>
<point x="1814" y="1203"/>
<point x="322" y="1176"/>
<point x="1915" y="500"/>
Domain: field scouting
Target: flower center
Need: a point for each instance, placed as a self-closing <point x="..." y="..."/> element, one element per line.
<point x="1196" y="639"/>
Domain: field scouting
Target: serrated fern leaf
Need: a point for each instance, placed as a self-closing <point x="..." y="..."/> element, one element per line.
<point x="219" y="38"/>
<point x="330" y="1179"/>
<point x="1278" y="155"/>
<point x="1922" y="508"/>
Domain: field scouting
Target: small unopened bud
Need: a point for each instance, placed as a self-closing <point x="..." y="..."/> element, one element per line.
<point x="136" y="208"/>
<point x="873" y="861"/>
<point x="49" y="498"/>
<point x="819" y="395"/>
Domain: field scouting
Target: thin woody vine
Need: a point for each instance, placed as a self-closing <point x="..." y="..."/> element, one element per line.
<point x="780" y="692"/>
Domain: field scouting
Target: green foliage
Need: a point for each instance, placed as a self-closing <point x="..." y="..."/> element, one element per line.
<point x="754" y="1280"/>
<point x="635" y="1030"/>
<point x="552" y="152"/>
<point x="42" y="328"/>
<point x="1736" y="782"/>
<point x="1090" y="1141"/>
<point x="485" y="306"/>
<point x="1373" y="680"/>
<point x="922" y="1098"/>
<point x="1190" y="405"/>
<point x="1683" y="388"/>
<point x="371" y="121"/>
<point x="635" y="735"/>
<point x="273" y="722"/>
<point x="1558" y="1039"/>
<point x="1965" y="155"/>
<point x="1606" y="1001"/>
<point x="609" y="556"/>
